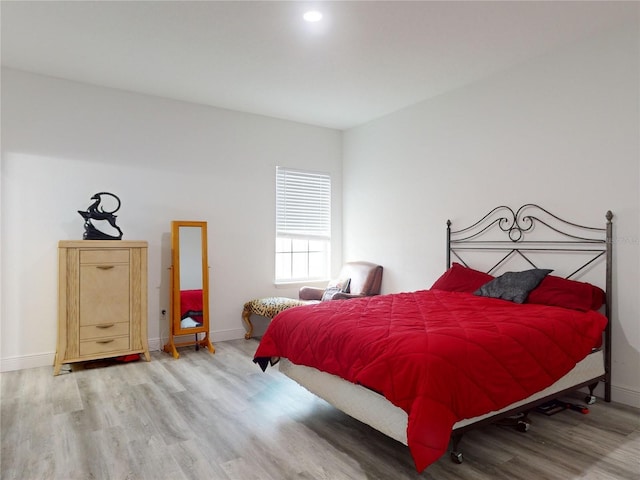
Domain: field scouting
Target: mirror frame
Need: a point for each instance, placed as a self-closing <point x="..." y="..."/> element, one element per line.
<point x="175" y="320"/>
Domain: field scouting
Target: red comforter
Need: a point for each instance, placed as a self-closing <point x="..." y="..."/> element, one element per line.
<point x="440" y="356"/>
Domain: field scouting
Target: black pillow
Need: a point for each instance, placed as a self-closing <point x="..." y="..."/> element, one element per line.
<point x="513" y="286"/>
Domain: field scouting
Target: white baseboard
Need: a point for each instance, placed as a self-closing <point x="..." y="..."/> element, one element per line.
<point x="625" y="395"/>
<point x="155" y="344"/>
<point x="23" y="362"/>
<point x="27" y="361"/>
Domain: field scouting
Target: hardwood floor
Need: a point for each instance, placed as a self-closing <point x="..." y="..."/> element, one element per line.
<point x="220" y="417"/>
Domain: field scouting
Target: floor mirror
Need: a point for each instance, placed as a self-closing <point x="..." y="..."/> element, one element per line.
<point x="189" y="287"/>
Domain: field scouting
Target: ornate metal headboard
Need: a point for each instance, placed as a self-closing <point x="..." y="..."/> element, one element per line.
<point x="530" y="230"/>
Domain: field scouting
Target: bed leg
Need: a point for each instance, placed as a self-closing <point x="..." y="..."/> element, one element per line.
<point x="591" y="398"/>
<point x="521" y="421"/>
<point x="456" y="455"/>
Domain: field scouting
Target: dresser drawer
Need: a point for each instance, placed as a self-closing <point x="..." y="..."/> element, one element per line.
<point x="105" y="330"/>
<point x="105" y="294"/>
<point x="104" y="256"/>
<point x="106" y="345"/>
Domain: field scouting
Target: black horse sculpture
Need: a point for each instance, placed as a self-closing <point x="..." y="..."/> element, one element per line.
<point x="96" y="212"/>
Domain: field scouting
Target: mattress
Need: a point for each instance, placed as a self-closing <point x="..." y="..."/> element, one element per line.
<point x="376" y="411"/>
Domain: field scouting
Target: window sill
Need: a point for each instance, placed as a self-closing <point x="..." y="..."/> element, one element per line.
<point x="302" y="283"/>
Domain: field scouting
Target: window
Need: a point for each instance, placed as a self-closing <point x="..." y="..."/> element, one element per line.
<point x="303" y="225"/>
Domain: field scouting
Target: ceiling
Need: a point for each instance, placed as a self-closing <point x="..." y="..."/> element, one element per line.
<point x="362" y="61"/>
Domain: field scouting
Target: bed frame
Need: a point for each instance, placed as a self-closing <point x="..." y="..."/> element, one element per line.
<point x="503" y="236"/>
<point x="555" y="236"/>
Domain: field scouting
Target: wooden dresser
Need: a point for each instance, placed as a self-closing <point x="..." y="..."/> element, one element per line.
<point x="102" y="300"/>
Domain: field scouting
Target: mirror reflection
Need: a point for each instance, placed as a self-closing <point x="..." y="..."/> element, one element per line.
<point x="190" y="277"/>
<point x="189" y="286"/>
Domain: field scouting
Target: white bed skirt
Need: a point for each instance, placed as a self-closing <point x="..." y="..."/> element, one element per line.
<point x="376" y="411"/>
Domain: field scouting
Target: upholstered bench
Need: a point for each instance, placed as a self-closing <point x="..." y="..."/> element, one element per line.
<point x="267" y="307"/>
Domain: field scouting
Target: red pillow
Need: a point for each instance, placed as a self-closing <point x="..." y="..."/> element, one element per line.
<point x="598" y="298"/>
<point x="461" y="279"/>
<point x="561" y="292"/>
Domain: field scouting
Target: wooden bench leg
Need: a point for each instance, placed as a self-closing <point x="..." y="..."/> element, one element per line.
<point x="246" y="316"/>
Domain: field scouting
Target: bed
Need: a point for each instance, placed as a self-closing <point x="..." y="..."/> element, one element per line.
<point x="490" y="339"/>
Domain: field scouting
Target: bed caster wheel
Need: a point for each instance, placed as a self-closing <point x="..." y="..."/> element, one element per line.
<point x="456" y="457"/>
<point x="590" y="399"/>
<point x="523" y="426"/>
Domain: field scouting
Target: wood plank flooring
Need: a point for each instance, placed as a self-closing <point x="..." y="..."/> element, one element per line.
<point x="221" y="418"/>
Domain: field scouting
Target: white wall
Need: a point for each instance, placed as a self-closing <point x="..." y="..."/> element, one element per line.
<point x="64" y="141"/>
<point x="562" y="131"/>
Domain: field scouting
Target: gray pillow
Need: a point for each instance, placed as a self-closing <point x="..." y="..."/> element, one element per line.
<point x="329" y="293"/>
<point x="340" y="285"/>
<point x="513" y="286"/>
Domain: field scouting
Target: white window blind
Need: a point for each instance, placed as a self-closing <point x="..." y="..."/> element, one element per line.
<point x="303" y="204"/>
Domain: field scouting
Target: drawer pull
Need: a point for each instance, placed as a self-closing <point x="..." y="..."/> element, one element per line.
<point x="105" y="341"/>
<point x="105" y="267"/>
<point x="105" y="325"/>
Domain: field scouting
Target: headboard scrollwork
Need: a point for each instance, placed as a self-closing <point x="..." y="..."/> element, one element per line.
<point x="519" y="222"/>
<point x="511" y="231"/>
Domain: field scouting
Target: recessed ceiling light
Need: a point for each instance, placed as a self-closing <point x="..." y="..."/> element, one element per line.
<point x="312" y="16"/>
